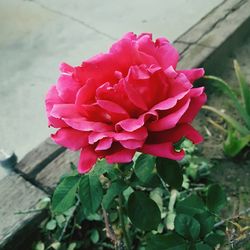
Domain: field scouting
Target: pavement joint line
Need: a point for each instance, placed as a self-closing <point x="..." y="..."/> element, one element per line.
<point x="232" y="9"/>
<point x="195" y="43"/>
<point x="74" y="19"/>
<point x="178" y="39"/>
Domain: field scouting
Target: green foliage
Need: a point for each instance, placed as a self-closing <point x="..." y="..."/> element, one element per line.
<point x="116" y="188"/>
<point x="90" y="193"/>
<point x="245" y="90"/>
<point x="202" y="246"/>
<point x="207" y="221"/>
<point x="235" y="143"/>
<point x="238" y="134"/>
<point x="143" y="211"/>
<point x="65" y="194"/>
<point x="170" y="171"/>
<point x="147" y="203"/>
<point x="187" y="226"/>
<point x="190" y="205"/>
<point x="39" y="246"/>
<point x="144" y="167"/>
<point x="216" y="198"/>
<point x="169" y="241"/>
<point x="215" y="238"/>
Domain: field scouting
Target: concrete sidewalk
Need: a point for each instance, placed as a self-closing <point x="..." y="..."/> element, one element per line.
<point x="37" y="35"/>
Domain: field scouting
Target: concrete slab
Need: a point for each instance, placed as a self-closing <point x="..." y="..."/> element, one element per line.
<point x="37" y="35"/>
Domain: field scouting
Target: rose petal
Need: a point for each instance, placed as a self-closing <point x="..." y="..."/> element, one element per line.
<point x="67" y="87"/>
<point x="175" y="134"/>
<point x="71" y="138"/>
<point x="134" y="124"/>
<point x="122" y="156"/>
<point x="139" y="134"/>
<point x="88" y="158"/>
<point x="170" y="72"/>
<point x="65" y="111"/>
<point x="51" y="99"/>
<point x="166" y="54"/>
<point x="193" y="74"/>
<point x="66" y="68"/>
<point x="86" y="93"/>
<point x="170" y="120"/>
<point x="104" y="144"/>
<point x="83" y="125"/>
<point x="178" y="85"/>
<point x="170" y="102"/>
<point x="112" y="107"/>
<point x="132" y="144"/>
<point x="195" y="105"/>
<point x="134" y="96"/>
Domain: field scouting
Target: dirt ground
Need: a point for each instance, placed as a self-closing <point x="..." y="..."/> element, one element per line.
<point x="232" y="174"/>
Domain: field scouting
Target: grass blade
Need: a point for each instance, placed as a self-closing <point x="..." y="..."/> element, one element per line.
<point x="231" y="121"/>
<point x="222" y="85"/>
<point x="234" y="143"/>
<point x="245" y="89"/>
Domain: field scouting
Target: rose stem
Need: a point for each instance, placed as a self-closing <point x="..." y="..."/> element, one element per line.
<point x="122" y="222"/>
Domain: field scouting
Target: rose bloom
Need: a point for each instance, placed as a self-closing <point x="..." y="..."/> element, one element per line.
<point x="130" y="99"/>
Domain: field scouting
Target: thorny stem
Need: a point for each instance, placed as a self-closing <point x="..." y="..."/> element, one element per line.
<point x="122" y="222"/>
<point x="109" y="230"/>
<point x="232" y="218"/>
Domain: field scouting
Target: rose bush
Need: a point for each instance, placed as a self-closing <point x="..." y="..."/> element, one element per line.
<point x="130" y="99"/>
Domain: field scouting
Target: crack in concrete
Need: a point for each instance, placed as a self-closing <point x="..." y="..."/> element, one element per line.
<point x="195" y="43"/>
<point x="232" y="9"/>
<point x="75" y="20"/>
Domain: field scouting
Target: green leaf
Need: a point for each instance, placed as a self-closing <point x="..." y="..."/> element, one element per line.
<point x="230" y="120"/>
<point x="156" y="195"/>
<point x="80" y="215"/>
<point x="94" y="236"/>
<point x="152" y="183"/>
<point x="43" y="203"/>
<point x="216" y="198"/>
<point x="202" y="246"/>
<point x="39" y="246"/>
<point x="235" y="143"/>
<point x="65" y="193"/>
<point x="191" y="205"/>
<point x="187" y="226"/>
<point x="144" y="167"/>
<point x="60" y="219"/>
<point x="143" y="211"/>
<point x="55" y="245"/>
<point x="170" y="171"/>
<point x="233" y="97"/>
<point x="114" y="190"/>
<point x="101" y="167"/>
<point x="90" y="192"/>
<point x="245" y="89"/>
<point x="127" y="192"/>
<point x="94" y="217"/>
<point x="206" y="221"/>
<point x="215" y="238"/>
<point x="166" y="242"/>
<point x="72" y="246"/>
<point x="51" y="225"/>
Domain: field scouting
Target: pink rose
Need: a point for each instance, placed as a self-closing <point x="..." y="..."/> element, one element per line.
<point x="129" y="99"/>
